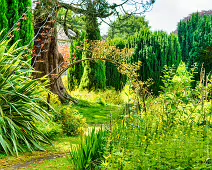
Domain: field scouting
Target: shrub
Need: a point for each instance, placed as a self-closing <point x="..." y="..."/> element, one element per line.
<point x="63" y="117"/>
<point x="50" y="129"/>
<point x="19" y="98"/>
<point x="73" y="123"/>
<point x="109" y="96"/>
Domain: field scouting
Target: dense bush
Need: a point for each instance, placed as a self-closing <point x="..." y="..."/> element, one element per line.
<point x="73" y="123"/>
<point x="63" y="117"/>
<point x="19" y="98"/>
<point x="50" y="129"/>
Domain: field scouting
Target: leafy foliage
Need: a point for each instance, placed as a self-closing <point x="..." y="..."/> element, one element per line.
<point x="19" y="108"/>
<point x="50" y="129"/>
<point x="73" y="123"/>
<point x="154" y="50"/>
<point x="114" y="78"/>
<point x="126" y="26"/>
<point x="89" y="155"/>
<point x="174" y="132"/>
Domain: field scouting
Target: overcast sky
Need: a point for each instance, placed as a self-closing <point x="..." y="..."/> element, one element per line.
<point x="165" y="14"/>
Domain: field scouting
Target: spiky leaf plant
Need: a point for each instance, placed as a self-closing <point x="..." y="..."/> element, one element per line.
<point x="19" y="98"/>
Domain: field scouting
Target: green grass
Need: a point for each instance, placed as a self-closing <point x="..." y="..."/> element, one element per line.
<point x="98" y="113"/>
<point x="58" y="163"/>
<point x="60" y="146"/>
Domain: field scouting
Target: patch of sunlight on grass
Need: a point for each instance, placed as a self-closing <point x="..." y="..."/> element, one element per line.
<point x="99" y="117"/>
<point x="98" y="114"/>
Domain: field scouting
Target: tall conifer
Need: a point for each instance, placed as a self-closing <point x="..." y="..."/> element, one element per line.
<point x="3" y="17"/>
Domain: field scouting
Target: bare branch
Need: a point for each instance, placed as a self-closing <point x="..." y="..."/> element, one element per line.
<point x="72" y="8"/>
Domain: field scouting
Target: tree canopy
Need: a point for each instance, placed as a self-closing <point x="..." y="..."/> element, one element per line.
<point x="125" y="26"/>
<point x="195" y="34"/>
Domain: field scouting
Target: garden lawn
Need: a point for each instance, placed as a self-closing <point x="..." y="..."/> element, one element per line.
<point x="97" y="114"/>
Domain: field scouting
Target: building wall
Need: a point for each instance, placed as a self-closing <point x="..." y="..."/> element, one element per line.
<point x="64" y="49"/>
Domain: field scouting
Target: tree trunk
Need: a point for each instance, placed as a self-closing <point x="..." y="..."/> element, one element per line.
<point x="46" y="58"/>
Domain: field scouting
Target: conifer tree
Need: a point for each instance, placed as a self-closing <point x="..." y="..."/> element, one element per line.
<point x="94" y="72"/>
<point x="75" y="73"/>
<point x="194" y="34"/>
<point x="154" y="50"/>
<point x="26" y="27"/>
<point x="3" y="18"/>
<point x="13" y="16"/>
<point x="16" y="16"/>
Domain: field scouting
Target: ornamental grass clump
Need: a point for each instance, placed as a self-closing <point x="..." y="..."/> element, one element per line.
<point x="89" y="154"/>
<point x="19" y="98"/>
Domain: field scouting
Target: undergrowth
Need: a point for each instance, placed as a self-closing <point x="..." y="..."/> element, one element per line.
<point x="173" y="133"/>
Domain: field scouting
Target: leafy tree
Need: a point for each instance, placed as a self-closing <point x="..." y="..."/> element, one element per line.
<point x="126" y="26"/>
